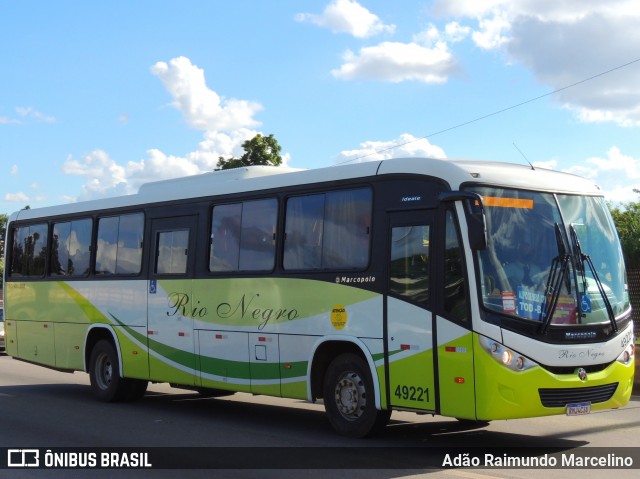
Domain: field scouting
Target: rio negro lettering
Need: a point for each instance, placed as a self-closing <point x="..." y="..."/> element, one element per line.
<point x="248" y="306"/>
<point x="179" y="305"/>
<point x="245" y="308"/>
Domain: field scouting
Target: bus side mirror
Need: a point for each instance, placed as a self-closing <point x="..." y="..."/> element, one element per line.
<point x="474" y="212"/>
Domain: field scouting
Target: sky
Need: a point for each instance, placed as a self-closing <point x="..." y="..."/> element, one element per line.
<point x="97" y="98"/>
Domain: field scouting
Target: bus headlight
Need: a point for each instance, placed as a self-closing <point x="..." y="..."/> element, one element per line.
<point x="506" y="356"/>
<point x="627" y="355"/>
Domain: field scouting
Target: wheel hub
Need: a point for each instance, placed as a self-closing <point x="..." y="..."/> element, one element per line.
<point x="350" y="396"/>
<point x="104" y="371"/>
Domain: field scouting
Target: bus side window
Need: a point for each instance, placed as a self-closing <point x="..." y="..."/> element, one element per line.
<point x="224" y="253"/>
<point x="329" y="231"/>
<point x="243" y="236"/>
<point x="409" y="268"/>
<point x="347" y="224"/>
<point x="29" y="250"/>
<point x="303" y="232"/>
<point x="70" y="252"/>
<point x="172" y="248"/>
<point x="119" y="245"/>
<point x="258" y="235"/>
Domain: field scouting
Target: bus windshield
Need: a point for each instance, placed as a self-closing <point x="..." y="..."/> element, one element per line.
<point x="551" y="258"/>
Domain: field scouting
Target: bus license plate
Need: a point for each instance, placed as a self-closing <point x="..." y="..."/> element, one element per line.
<point x="578" y="409"/>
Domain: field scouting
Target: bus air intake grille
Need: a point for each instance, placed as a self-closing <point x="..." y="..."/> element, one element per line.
<point x="562" y="396"/>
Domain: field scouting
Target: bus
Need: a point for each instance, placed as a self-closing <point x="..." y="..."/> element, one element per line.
<point x="467" y="289"/>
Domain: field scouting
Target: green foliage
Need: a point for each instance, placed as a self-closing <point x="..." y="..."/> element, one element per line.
<point x="627" y="221"/>
<point x="260" y="150"/>
<point x="3" y="232"/>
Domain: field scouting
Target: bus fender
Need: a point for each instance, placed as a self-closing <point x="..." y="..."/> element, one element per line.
<point x="365" y="352"/>
<point x="114" y="337"/>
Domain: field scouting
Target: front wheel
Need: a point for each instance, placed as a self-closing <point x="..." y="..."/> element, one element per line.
<point x="349" y="398"/>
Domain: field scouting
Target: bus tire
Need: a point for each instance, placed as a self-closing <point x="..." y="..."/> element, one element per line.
<point x="349" y="398"/>
<point x="137" y="389"/>
<point x="104" y="374"/>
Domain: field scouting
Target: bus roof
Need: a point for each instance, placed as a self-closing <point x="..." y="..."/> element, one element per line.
<point x="455" y="172"/>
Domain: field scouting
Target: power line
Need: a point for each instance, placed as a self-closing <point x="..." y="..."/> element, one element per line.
<point x="497" y="112"/>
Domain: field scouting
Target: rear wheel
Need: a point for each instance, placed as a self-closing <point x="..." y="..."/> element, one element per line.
<point x="349" y="398"/>
<point x="104" y="374"/>
<point x="137" y="389"/>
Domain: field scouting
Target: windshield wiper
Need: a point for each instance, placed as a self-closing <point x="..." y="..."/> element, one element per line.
<point x="580" y="259"/>
<point x="557" y="274"/>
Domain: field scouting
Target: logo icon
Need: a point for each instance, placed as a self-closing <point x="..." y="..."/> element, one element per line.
<point x="23" y="457"/>
<point x="582" y="374"/>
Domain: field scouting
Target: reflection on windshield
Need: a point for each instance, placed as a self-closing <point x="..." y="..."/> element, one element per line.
<point x="527" y="235"/>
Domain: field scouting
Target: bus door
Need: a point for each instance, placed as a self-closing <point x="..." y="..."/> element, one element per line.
<point x="170" y="300"/>
<point x="456" y="381"/>
<point x="409" y="317"/>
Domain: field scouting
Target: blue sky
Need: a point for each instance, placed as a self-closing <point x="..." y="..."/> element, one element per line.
<point x="97" y="98"/>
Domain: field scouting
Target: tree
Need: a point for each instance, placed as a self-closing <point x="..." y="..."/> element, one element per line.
<point x="260" y="150"/>
<point x="627" y="221"/>
<point x="3" y="237"/>
<point x="3" y="231"/>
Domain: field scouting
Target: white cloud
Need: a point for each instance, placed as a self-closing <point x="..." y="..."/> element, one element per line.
<point x="431" y="36"/>
<point x="8" y="121"/>
<point x="565" y="42"/>
<point x="29" y="112"/>
<point x="492" y="31"/>
<point x="347" y="16"/>
<point x="203" y="108"/>
<point x="616" y="173"/>
<point x="406" y="145"/>
<point x="15" y="170"/>
<point x="455" y="32"/>
<point x="549" y="164"/>
<point x="104" y="177"/>
<point x="225" y="123"/>
<point x="16" y="197"/>
<point x="396" y="62"/>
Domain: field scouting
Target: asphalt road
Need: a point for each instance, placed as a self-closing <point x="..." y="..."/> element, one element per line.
<point x="41" y="408"/>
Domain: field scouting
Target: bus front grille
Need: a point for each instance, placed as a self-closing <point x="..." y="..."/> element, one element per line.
<point x="560" y="397"/>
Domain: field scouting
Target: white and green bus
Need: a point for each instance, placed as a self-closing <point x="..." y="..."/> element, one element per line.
<point x="473" y="290"/>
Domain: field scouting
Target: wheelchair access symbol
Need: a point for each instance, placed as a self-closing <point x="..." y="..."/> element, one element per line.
<point x="585" y="303"/>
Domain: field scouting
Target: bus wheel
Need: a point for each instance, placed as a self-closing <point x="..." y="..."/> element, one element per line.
<point x="136" y="389"/>
<point x="349" y="398"/>
<point x="104" y="373"/>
